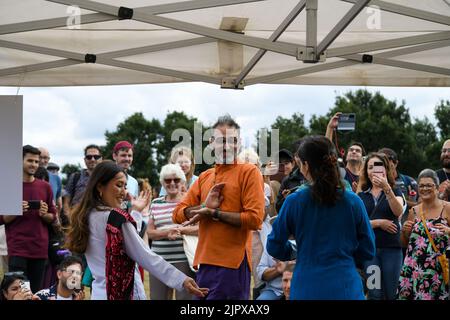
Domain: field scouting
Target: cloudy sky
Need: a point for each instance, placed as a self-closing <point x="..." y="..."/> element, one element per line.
<point x="67" y="119"/>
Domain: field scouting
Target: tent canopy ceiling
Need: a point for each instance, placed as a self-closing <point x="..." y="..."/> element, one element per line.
<point x="231" y="43"/>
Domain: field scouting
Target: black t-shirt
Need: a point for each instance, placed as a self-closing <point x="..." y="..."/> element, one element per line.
<point x="383" y="239"/>
<point x="350" y="177"/>
<point x="442" y="177"/>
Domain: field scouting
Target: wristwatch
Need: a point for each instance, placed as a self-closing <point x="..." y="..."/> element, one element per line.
<point x="216" y="215"/>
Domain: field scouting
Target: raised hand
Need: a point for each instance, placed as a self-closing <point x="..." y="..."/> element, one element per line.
<point x="140" y="202"/>
<point x="215" y="198"/>
<point x="334" y="121"/>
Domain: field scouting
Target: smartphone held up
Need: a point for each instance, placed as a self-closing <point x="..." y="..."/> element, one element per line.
<point x="347" y="122"/>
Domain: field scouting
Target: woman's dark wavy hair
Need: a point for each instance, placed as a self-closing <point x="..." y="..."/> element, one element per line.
<point x="364" y="183"/>
<point x="78" y="233"/>
<point x="321" y="156"/>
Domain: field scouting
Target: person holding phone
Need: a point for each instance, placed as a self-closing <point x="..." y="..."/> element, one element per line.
<point x="14" y="286"/>
<point x="353" y="155"/>
<point x="68" y="285"/>
<point x="27" y="235"/>
<point x="384" y="204"/>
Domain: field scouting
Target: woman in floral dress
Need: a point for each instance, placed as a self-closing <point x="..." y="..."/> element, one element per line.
<point x="421" y="276"/>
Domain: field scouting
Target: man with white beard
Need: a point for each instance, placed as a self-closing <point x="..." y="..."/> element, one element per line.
<point x="68" y="286"/>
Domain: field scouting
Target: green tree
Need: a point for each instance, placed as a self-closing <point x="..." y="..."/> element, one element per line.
<point x="290" y="129"/>
<point x="442" y="114"/>
<point x="379" y="123"/>
<point x="145" y="136"/>
<point x="178" y="120"/>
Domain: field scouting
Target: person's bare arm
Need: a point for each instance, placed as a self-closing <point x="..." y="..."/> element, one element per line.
<point x="332" y="125"/>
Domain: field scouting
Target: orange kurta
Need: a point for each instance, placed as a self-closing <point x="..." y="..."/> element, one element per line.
<point x="222" y="244"/>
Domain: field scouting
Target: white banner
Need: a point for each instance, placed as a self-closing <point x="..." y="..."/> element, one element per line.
<point x="11" y="163"/>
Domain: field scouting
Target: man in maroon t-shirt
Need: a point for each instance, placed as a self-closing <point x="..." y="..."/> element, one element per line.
<point x="27" y="235"/>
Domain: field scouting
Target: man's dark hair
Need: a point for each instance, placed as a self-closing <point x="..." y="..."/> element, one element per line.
<point x="226" y="120"/>
<point x="31" y="150"/>
<point x="359" y="144"/>
<point x="391" y="154"/>
<point x="92" y="146"/>
<point x="68" y="261"/>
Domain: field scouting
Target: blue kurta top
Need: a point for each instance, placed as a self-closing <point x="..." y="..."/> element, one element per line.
<point x="331" y="241"/>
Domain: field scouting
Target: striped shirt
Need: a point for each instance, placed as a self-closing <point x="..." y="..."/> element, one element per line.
<point x="161" y="213"/>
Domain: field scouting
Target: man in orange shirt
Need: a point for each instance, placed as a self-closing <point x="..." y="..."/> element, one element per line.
<point x="228" y="202"/>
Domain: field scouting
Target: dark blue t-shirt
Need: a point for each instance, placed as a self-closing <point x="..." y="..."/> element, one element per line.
<point x="383" y="239"/>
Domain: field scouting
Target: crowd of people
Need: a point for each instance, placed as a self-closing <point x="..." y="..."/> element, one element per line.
<point x="305" y="225"/>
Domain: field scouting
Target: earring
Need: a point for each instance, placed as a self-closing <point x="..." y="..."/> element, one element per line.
<point x="101" y="195"/>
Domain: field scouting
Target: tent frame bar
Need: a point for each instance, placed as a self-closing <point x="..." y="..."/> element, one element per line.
<point x="312" y="52"/>
<point x="345" y="63"/>
<point x="274" y="37"/>
<point x="102" y="17"/>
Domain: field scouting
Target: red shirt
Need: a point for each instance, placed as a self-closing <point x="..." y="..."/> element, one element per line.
<point x="27" y="235"/>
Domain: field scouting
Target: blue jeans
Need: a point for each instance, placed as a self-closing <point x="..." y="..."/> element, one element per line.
<point x="389" y="261"/>
<point x="268" y="295"/>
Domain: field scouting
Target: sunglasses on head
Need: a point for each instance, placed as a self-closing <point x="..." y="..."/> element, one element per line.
<point x="90" y="157"/>
<point x="176" y="180"/>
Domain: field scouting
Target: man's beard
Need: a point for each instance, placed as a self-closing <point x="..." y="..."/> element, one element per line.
<point x="229" y="159"/>
<point x="446" y="163"/>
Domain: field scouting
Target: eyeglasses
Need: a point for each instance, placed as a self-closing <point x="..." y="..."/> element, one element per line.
<point x="355" y="150"/>
<point x="445" y="150"/>
<point x="426" y="186"/>
<point x="223" y="140"/>
<point x="90" y="157"/>
<point x="73" y="272"/>
<point x="169" y="181"/>
<point x="45" y="158"/>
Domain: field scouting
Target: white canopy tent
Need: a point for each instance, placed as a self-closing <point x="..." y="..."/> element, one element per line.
<point x="232" y="43"/>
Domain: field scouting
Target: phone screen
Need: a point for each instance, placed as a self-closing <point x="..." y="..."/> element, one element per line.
<point x="347" y="122"/>
<point x="34" y="204"/>
<point x="378" y="168"/>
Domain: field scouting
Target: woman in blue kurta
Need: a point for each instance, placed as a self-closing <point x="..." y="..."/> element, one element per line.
<point x="331" y="228"/>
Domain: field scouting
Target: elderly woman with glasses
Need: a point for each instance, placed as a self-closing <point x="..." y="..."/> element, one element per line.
<point x="166" y="236"/>
<point x="422" y="274"/>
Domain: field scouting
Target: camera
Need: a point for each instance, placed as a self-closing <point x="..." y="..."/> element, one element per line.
<point x="346" y="122"/>
<point x="34" y="204"/>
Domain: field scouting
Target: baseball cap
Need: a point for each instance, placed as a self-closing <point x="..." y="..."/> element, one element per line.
<point x="121" y="145"/>
<point x="285" y="154"/>
<point x="52" y="166"/>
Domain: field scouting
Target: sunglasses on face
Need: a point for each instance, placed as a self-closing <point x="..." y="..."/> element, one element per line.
<point x="169" y="181"/>
<point x="90" y="157"/>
